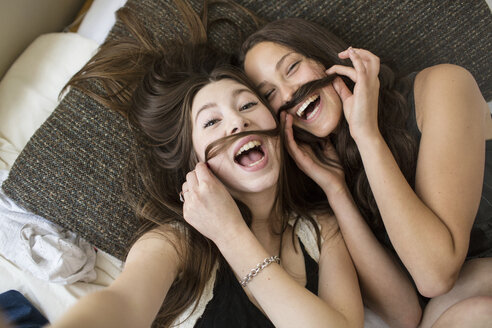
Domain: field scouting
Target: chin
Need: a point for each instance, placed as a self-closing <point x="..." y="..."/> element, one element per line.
<point x="320" y="134"/>
<point x="255" y="186"/>
<point x="324" y="130"/>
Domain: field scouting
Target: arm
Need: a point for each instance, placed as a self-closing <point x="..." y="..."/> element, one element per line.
<point x="284" y="301"/>
<point x="135" y="297"/>
<point x="428" y="227"/>
<point x="289" y="304"/>
<point x="386" y="289"/>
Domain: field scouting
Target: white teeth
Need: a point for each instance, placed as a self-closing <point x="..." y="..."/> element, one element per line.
<point x="247" y="146"/>
<point x="306" y="104"/>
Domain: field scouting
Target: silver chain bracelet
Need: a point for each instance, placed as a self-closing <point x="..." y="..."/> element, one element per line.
<point x="260" y="266"/>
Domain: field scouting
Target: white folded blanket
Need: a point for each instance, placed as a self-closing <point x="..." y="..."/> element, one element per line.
<point x="42" y="248"/>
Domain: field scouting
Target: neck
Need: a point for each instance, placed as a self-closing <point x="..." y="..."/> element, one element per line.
<point x="260" y="205"/>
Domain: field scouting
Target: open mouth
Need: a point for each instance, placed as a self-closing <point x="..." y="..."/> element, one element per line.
<point x="309" y="108"/>
<point x="250" y="154"/>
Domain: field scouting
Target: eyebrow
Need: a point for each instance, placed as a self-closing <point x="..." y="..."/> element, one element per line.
<point x="235" y="93"/>
<point x="277" y="67"/>
<point x="206" y="106"/>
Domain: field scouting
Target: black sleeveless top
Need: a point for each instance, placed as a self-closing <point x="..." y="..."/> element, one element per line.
<point x="231" y="307"/>
<point x="481" y="234"/>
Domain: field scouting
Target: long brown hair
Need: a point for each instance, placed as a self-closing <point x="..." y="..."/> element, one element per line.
<point x="315" y="42"/>
<point x="153" y="85"/>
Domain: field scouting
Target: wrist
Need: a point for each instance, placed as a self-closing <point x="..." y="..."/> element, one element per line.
<point x="335" y="191"/>
<point x="367" y="140"/>
<point x="231" y="235"/>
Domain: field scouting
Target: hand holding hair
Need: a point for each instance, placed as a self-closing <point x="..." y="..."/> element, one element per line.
<point x="360" y="107"/>
<point x="208" y="206"/>
<point x="330" y="178"/>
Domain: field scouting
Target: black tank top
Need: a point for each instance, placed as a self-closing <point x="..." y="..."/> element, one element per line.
<point x="231" y="307"/>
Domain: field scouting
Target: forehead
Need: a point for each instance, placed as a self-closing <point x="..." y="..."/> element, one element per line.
<point x="265" y="52"/>
<point x="264" y="59"/>
<point x="217" y="92"/>
<point x="270" y="48"/>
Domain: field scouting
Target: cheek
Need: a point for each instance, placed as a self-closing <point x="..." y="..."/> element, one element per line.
<point x="275" y="104"/>
<point x="315" y="70"/>
<point x="317" y="75"/>
<point x="199" y="148"/>
<point x="222" y="168"/>
<point x="216" y="165"/>
<point x="268" y="122"/>
<point x="317" y="66"/>
<point x="307" y="74"/>
<point x="332" y="97"/>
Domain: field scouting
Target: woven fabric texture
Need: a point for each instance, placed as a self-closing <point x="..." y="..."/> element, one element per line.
<point x="71" y="171"/>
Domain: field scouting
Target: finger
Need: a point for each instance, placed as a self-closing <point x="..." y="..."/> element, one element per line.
<point x="288" y="122"/>
<point x="192" y="180"/>
<point x="370" y="60"/>
<point x="289" y="133"/>
<point x="344" y="54"/>
<point x="184" y="190"/>
<point x="203" y="173"/>
<point x="347" y="71"/>
<point x="366" y="55"/>
<point x="357" y="61"/>
<point x="292" y="147"/>
<point x="282" y="119"/>
<point x="342" y="89"/>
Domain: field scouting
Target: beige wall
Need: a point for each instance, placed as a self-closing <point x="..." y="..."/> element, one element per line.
<point x="21" y="21"/>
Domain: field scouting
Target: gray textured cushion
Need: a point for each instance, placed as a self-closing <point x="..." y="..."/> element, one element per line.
<point x="71" y="171"/>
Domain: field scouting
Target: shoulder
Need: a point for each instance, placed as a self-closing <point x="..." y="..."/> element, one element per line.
<point x="447" y="89"/>
<point x="151" y="267"/>
<point x="445" y="74"/>
<point x="445" y="80"/>
<point x="164" y="244"/>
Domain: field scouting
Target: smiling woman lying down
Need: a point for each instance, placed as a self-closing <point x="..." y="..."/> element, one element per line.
<point x="207" y="135"/>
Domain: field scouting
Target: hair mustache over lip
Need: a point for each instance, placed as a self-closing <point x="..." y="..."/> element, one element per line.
<point x="305" y="90"/>
<point x="214" y="148"/>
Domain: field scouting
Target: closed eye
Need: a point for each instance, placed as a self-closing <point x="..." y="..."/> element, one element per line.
<point x="291" y="67"/>
<point x="268" y="93"/>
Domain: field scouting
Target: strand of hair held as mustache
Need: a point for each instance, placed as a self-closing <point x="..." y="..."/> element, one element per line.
<point x="305" y="90"/>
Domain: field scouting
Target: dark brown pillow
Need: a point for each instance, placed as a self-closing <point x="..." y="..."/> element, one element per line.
<point x="71" y="171"/>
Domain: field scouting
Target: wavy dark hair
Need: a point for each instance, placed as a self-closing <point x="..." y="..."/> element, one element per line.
<point x="153" y="85"/>
<point x="317" y="43"/>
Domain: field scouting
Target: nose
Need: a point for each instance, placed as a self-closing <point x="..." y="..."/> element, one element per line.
<point x="287" y="92"/>
<point x="239" y="124"/>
